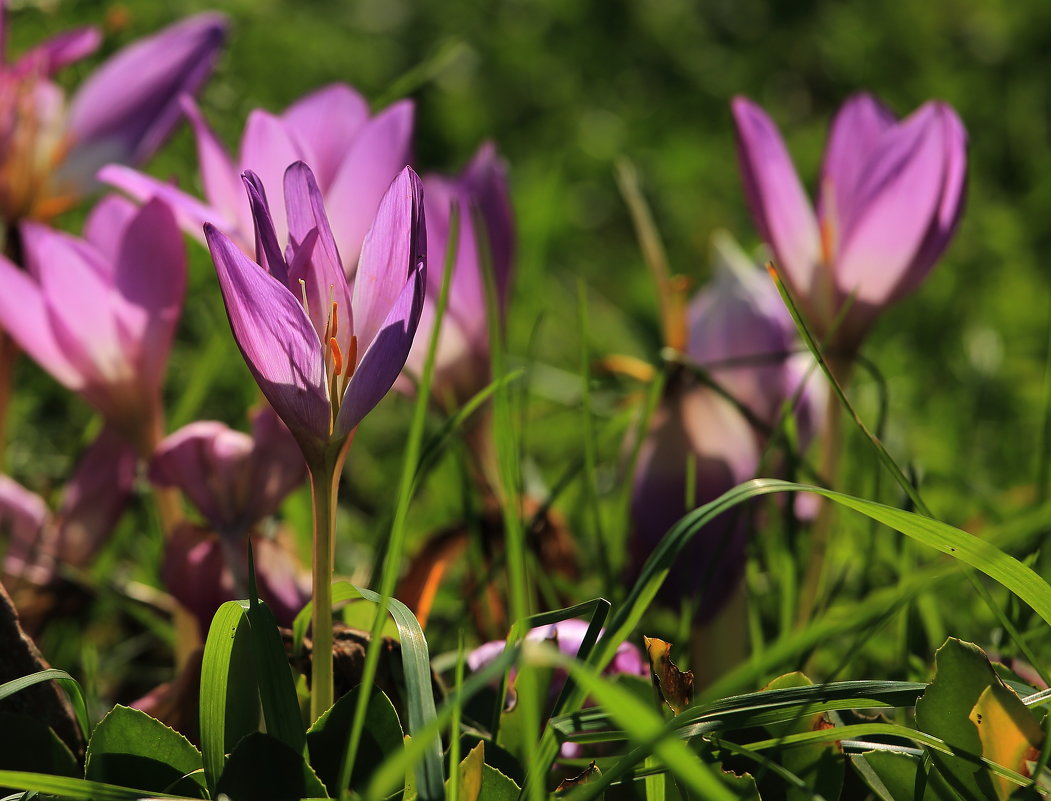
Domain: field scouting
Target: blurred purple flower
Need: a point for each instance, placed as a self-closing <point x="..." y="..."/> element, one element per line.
<point x="99" y="313"/>
<point x="354" y="158"/>
<point x="890" y="196"/>
<point x="462" y="360"/>
<point x="39" y="542"/>
<point x="122" y="113"/>
<point x="324" y="351"/>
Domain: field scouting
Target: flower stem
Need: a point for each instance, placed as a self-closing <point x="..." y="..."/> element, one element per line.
<point x="324" y="481"/>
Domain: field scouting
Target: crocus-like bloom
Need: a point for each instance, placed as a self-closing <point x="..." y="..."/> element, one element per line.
<point x="38" y="542"/>
<point x="461" y="366"/>
<point x="235" y="480"/>
<point x="99" y="313"/>
<point x="325" y="351"/>
<point x="49" y="153"/>
<point x="890" y="196"/>
<point x="741" y="333"/>
<point x="354" y="158"/>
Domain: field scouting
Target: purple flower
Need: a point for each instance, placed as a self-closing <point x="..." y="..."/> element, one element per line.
<point x="93" y="500"/>
<point x="890" y="196"/>
<point x="122" y="113"/>
<point x="235" y="480"/>
<point x="354" y="158"/>
<point x="99" y="313"/>
<point x="462" y="360"/>
<point x="324" y="351"/>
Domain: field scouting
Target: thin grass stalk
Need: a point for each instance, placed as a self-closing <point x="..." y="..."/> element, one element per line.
<point x="406" y="484"/>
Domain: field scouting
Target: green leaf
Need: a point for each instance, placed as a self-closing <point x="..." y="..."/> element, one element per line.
<point x="263" y="767"/>
<point x="68" y="787"/>
<point x="63" y="680"/>
<point x="327" y="739"/>
<point x="27" y="743"/>
<point x="821" y="766"/>
<point x="277" y="686"/>
<point x="901" y="777"/>
<point x="962" y="674"/>
<point x="496" y="786"/>
<point x="130" y="748"/>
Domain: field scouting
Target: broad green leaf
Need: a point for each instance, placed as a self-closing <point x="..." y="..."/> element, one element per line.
<point x="327" y="739"/>
<point x="962" y="674"/>
<point x="820" y="766"/>
<point x="262" y="767"/>
<point x="131" y="749"/>
<point x="1009" y="733"/>
<point x="901" y="777"/>
<point x="496" y="786"/>
<point x="27" y="743"/>
<point x="495" y="756"/>
<point x="469" y="774"/>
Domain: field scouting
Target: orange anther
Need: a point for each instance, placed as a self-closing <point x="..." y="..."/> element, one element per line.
<point x="334" y="320"/>
<point x="337" y="357"/>
<point x="352" y="362"/>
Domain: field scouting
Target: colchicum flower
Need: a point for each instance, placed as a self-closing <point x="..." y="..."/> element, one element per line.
<point x="462" y="360"/>
<point x="354" y="158"/>
<point x="99" y="313"/>
<point x="235" y="481"/>
<point x="742" y="335"/>
<point x="49" y="153"/>
<point x="889" y="198"/>
<point x="324" y="351"/>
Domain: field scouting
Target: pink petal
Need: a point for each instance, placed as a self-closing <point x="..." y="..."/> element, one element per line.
<point x="393" y="250"/>
<point x="48" y="57"/>
<point x="377" y="155"/>
<point x="277" y="341"/>
<point x="190" y="213"/>
<point x="268" y="150"/>
<point x="221" y="180"/>
<point x="324" y="123"/>
<point x="106" y="224"/>
<point x="899" y="198"/>
<point x="277" y="466"/>
<point x="23" y="517"/>
<point x="855" y="133"/>
<point x="129" y="106"/>
<point x="485" y="180"/>
<point x="779" y="205"/>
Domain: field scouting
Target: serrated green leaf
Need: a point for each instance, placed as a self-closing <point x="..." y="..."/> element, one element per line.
<point x="327" y="739"/>
<point x="262" y="767"/>
<point x="131" y="749"/>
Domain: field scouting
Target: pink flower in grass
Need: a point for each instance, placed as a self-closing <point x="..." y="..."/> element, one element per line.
<point x="99" y="313"/>
<point x="354" y="157"/>
<point x="50" y="152"/>
<point x="890" y="195"/>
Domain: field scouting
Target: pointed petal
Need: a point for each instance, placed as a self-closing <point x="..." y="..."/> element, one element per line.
<point x="385" y="357"/>
<point x="267" y="250"/>
<point x="129" y="106"/>
<point x="95" y="498"/>
<point x="190" y="212"/>
<point x="378" y="153"/>
<point x="322" y="273"/>
<point x="324" y="123"/>
<point x="486" y="181"/>
<point x="221" y="181"/>
<point x="151" y="279"/>
<point x="779" y="205"/>
<point x="393" y="250"/>
<point x="855" y="133"/>
<point x="902" y="196"/>
<point x="24" y="315"/>
<point x="277" y="341"/>
<point x="51" y="55"/>
<point x="268" y="150"/>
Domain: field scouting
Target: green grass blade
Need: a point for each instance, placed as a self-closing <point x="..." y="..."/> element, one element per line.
<point x="65" y="681"/>
<point x="277" y="686"/>
<point x="68" y="787"/>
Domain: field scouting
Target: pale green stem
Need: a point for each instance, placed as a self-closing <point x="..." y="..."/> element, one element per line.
<point x="324" y="481"/>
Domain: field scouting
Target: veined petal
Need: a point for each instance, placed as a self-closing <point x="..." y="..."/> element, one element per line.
<point x="779" y="205"/>
<point x="129" y="106"/>
<point x="324" y="123"/>
<point x="23" y="314"/>
<point x="899" y="196"/>
<point x="277" y="341"/>
<point x="221" y="180"/>
<point x="385" y="356"/>
<point x="151" y="280"/>
<point x="395" y="247"/>
<point x="855" y="133"/>
<point x="322" y="273"/>
<point x="51" y="55"/>
<point x="190" y="213"/>
<point x="267" y="249"/>
<point x="378" y="153"/>
<point x="268" y="150"/>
